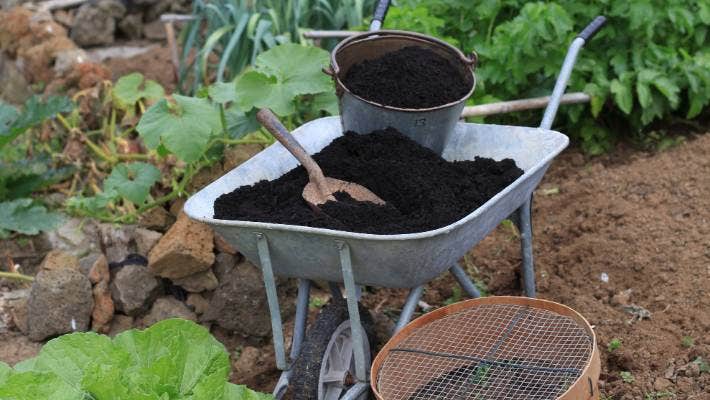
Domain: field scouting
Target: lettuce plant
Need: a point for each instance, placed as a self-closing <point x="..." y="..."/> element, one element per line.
<point x="172" y="360"/>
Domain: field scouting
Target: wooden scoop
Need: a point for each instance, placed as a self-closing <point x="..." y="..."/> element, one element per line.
<point x="320" y="188"/>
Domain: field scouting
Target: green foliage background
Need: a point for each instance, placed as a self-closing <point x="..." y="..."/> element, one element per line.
<point x="651" y="61"/>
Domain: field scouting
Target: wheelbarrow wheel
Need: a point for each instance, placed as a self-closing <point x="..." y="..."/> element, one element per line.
<point x="325" y="367"/>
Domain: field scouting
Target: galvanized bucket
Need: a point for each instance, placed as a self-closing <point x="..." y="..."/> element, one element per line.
<point x="430" y="127"/>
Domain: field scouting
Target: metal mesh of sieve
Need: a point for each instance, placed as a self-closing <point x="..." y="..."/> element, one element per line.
<point x="490" y="352"/>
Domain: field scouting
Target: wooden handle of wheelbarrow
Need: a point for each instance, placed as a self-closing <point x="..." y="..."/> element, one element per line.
<point x="271" y="122"/>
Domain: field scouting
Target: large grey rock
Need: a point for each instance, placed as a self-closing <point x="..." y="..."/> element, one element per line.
<point x="13" y="85"/>
<point x="133" y="288"/>
<point x="95" y="23"/>
<point x="168" y="307"/>
<point x="239" y="303"/>
<point x="61" y="301"/>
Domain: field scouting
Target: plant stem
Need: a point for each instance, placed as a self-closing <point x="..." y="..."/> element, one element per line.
<point x="17" y="276"/>
<point x="99" y="152"/>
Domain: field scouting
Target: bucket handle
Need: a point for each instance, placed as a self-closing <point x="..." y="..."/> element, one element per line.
<point x="471" y="61"/>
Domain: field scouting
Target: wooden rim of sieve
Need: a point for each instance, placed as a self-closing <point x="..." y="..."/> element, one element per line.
<point x="583" y="388"/>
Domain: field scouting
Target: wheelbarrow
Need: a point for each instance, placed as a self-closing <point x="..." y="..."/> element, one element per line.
<point x="332" y="361"/>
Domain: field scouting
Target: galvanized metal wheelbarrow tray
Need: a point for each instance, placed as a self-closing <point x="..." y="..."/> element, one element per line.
<point x="397" y="261"/>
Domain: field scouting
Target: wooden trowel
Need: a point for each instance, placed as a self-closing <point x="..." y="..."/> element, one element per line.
<point x="320" y="188"/>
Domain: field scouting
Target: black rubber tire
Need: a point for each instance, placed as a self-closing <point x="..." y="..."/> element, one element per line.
<point x="303" y="384"/>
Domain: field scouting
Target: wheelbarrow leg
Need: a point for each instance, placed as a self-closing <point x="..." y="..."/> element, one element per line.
<point x="463" y="279"/>
<point x="358" y="334"/>
<point x="299" y="332"/>
<point x="409" y="306"/>
<point x="262" y="246"/>
<point x="524" y="222"/>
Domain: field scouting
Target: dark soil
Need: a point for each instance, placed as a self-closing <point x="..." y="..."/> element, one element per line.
<point x="422" y="190"/>
<point x="412" y="77"/>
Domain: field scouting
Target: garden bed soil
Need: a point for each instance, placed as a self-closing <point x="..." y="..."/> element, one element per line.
<point x="422" y="190"/>
<point x="412" y="77"/>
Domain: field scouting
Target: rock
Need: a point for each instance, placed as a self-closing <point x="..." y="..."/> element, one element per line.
<point x="661" y="384"/>
<point x="61" y="301"/>
<point x="198" y="303"/>
<point x="692" y="369"/>
<point x="28" y="254"/>
<point x="670" y="372"/>
<point x="198" y="282"/>
<point x="236" y="155"/>
<point x="186" y="249"/>
<point x="622" y="298"/>
<point x="57" y="259"/>
<point x="95" y="23"/>
<point x="64" y="17"/>
<point x="65" y="60"/>
<point x="252" y="364"/>
<point x="239" y="303"/>
<point x="204" y="177"/>
<point x="116" y="240"/>
<point x="131" y="26"/>
<point x="168" y="307"/>
<point x="75" y="237"/>
<point x="133" y="289"/>
<point x="99" y="271"/>
<point x="177" y="206"/>
<point x="154" y="30"/>
<point x="13" y="309"/>
<point x="146" y="240"/>
<point x="102" y="313"/>
<point x="222" y="246"/>
<point x="157" y="218"/>
<point x="14" y="88"/>
<point x="18" y="311"/>
<point x="224" y="264"/>
<point x="87" y="262"/>
<point x="119" y="324"/>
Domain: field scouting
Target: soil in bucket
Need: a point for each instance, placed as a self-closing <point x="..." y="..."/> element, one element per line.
<point x="422" y="191"/>
<point x="412" y="77"/>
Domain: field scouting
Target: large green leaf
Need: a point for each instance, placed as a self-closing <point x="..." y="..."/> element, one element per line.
<point x="622" y="95"/>
<point x="241" y="392"/>
<point x="26" y="217"/>
<point x="172" y="360"/>
<point x="183" y="127"/>
<point x="34" y="112"/>
<point x="281" y="74"/>
<point x="131" y="88"/>
<point x="173" y="357"/>
<point x="133" y="181"/>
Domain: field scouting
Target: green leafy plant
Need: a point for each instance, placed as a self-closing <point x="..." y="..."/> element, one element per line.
<point x="627" y="377"/>
<point x="658" y="395"/>
<point x="237" y="31"/>
<point x="704" y="367"/>
<point x="281" y="75"/>
<point x="636" y="75"/>
<point x="20" y="176"/>
<point x="173" y="359"/>
<point x="614" y="344"/>
<point x="687" y="342"/>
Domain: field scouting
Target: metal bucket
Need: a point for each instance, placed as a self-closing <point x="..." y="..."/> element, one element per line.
<point x="430" y="127"/>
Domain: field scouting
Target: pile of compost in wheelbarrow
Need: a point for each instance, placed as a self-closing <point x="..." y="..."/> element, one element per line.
<point x="412" y="77"/>
<point x="422" y="190"/>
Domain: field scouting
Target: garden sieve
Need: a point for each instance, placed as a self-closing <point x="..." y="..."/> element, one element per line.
<point x="491" y="348"/>
<point x="429" y="127"/>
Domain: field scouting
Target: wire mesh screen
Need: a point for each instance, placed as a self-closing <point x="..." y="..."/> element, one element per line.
<point x="488" y="352"/>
